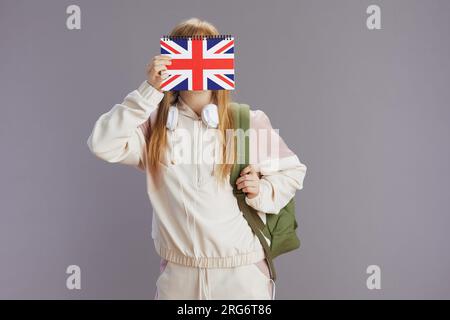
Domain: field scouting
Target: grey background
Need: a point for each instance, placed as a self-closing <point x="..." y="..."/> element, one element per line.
<point x="366" y="111"/>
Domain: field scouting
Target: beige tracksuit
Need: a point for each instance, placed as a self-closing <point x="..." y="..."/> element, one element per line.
<point x="197" y="225"/>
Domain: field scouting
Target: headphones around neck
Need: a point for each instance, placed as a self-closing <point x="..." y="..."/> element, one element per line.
<point x="210" y="116"/>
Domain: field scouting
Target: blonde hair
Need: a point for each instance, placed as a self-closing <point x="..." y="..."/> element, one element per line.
<point x="158" y="137"/>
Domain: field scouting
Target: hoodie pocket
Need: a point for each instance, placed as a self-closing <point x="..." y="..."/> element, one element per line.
<point x="162" y="269"/>
<point x="262" y="268"/>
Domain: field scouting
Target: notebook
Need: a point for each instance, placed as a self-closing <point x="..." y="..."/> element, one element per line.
<point x="199" y="62"/>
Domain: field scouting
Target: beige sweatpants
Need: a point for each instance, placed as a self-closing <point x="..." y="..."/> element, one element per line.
<point x="251" y="282"/>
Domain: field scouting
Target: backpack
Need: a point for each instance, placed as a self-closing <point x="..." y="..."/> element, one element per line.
<point x="279" y="228"/>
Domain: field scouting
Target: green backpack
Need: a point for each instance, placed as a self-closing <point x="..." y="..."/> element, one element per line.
<point x="279" y="228"/>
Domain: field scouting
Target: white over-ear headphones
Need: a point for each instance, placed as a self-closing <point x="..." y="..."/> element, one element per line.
<point x="210" y="116"/>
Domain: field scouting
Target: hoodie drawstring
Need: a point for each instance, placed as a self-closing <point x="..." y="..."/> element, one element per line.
<point x="204" y="293"/>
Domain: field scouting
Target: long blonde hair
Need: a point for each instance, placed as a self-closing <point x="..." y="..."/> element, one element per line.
<point x="158" y="137"/>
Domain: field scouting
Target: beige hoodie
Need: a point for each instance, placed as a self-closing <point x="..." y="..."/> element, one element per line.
<point x="196" y="220"/>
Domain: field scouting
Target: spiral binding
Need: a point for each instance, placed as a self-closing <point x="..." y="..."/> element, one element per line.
<point x="198" y="37"/>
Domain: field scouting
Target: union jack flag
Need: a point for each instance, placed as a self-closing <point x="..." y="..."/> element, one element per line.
<point x="199" y="64"/>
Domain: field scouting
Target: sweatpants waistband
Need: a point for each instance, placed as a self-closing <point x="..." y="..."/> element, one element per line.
<point x="210" y="262"/>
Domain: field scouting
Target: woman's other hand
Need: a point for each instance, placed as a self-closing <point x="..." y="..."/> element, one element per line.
<point x="248" y="182"/>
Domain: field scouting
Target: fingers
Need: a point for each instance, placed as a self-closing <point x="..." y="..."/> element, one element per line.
<point x="162" y="57"/>
<point x="162" y="63"/>
<point x="251" y="190"/>
<point x="247" y="177"/>
<point x="161" y="60"/>
<point x="160" y="68"/>
<point x="163" y="74"/>
<point x="248" y="169"/>
<point x="247" y="183"/>
<point x="157" y="70"/>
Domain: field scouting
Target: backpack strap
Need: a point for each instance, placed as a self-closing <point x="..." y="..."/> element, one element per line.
<point x="239" y="123"/>
<point x="241" y="113"/>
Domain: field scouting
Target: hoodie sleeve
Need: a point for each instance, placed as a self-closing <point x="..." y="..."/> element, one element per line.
<point x="119" y="135"/>
<point x="280" y="169"/>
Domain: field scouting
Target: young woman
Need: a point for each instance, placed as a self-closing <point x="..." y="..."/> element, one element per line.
<point x="207" y="248"/>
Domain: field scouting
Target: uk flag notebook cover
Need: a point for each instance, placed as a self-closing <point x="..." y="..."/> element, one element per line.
<point x="199" y="62"/>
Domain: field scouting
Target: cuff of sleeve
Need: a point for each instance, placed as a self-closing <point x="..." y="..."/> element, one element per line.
<point x="150" y="93"/>
<point x="265" y="190"/>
